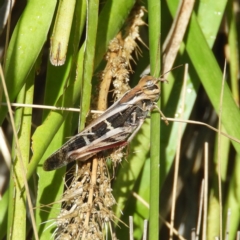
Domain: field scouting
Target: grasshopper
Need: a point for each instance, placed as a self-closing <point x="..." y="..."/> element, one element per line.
<point x="116" y="127"/>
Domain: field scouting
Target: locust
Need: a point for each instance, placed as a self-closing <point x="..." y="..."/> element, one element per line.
<point x="116" y="127"/>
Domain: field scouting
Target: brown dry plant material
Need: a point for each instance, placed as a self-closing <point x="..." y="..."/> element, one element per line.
<point x="118" y="58"/>
<point x="75" y="208"/>
<point x="87" y="202"/>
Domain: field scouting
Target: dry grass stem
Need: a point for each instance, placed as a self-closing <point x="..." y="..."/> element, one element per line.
<point x="145" y="230"/>
<point x="200" y="211"/>
<point x="193" y="234"/>
<point x="206" y="172"/>
<point x="174" y="39"/>
<point x="131" y="231"/>
<point x="48" y="107"/>
<point x="19" y="155"/>
<point x="203" y="124"/>
<point x="228" y="224"/>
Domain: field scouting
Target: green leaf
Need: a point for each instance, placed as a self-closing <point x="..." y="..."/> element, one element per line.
<point x="25" y="47"/>
<point x="154" y="15"/>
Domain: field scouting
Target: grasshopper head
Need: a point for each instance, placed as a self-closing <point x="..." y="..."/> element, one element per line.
<point x="146" y="89"/>
<point x="149" y="86"/>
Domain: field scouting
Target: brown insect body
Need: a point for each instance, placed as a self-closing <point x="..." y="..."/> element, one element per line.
<point x="115" y="127"/>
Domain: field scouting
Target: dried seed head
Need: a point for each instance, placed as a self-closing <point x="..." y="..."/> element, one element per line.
<point x="76" y="207"/>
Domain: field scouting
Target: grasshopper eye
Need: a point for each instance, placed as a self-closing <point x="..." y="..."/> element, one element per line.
<point x="149" y="83"/>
